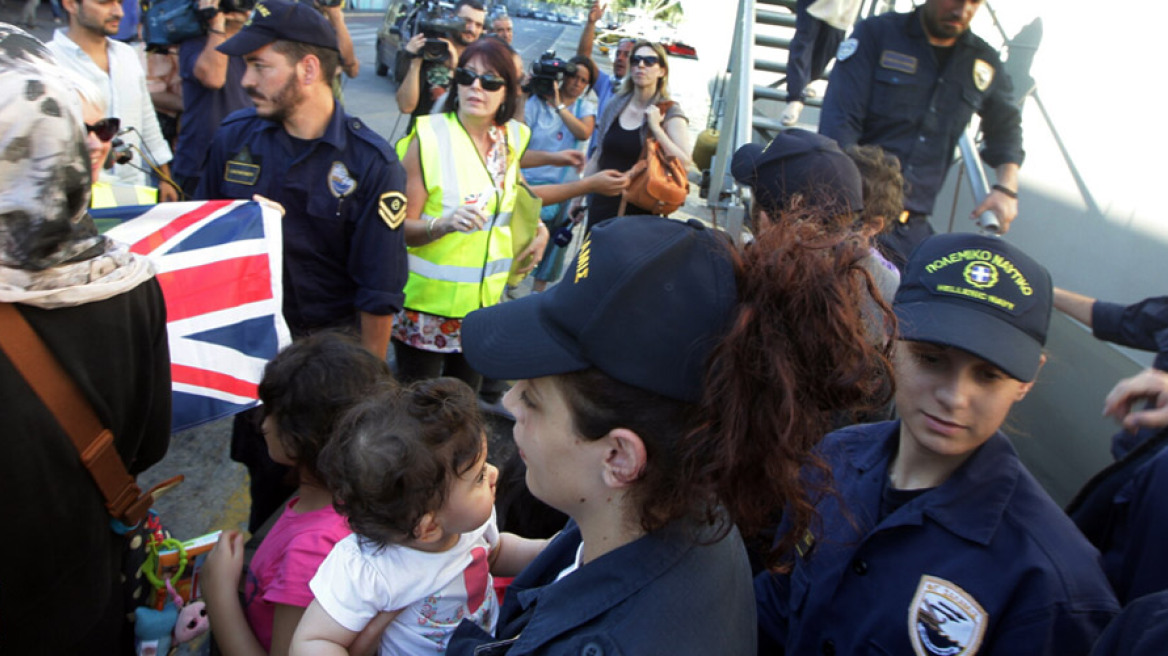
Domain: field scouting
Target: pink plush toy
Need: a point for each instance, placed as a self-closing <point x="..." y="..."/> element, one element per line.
<point x="154" y="629"/>
<point x="192" y="622"/>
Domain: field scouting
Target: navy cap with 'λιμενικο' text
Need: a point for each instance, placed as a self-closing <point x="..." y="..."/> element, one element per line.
<point x="978" y="293"/>
<point x="280" y="20"/>
<point x="645" y="301"/>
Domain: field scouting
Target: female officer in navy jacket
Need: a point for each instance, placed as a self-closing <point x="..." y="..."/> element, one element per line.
<point x="939" y="541"/>
<point x="668" y="389"/>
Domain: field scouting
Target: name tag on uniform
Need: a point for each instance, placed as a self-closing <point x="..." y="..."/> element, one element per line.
<point x="241" y="172"/>
<point x="898" y="61"/>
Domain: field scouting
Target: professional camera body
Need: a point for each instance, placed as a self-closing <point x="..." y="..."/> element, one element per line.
<point x="436" y="22"/>
<point x="547" y="73"/>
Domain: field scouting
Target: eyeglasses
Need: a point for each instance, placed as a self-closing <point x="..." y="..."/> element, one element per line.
<point x="105" y="129"/>
<point x="647" y="60"/>
<point x="464" y="77"/>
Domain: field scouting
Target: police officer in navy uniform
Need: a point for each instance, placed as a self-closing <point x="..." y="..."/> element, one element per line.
<point x="910" y="83"/>
<point x="933" y="518"/>
<point x="340" y="184"/>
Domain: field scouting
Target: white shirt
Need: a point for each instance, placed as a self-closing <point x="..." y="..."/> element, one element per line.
<point x="435" y="591"/>
<point x="128" y="99"/>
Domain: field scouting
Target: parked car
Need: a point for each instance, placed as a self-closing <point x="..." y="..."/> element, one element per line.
<point x="389" y="40"/>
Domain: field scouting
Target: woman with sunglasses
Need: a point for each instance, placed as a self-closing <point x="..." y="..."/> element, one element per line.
<point x="462" y="179"/>
<point x="631" y="116"/>
<point x="100" y="131"/>
<point x="560" y="123"/>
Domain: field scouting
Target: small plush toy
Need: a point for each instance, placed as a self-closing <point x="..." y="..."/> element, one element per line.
<point x="156" y="630"/>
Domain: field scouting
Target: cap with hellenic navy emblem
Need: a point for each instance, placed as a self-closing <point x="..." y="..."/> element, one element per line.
<point x="980" y="294"/>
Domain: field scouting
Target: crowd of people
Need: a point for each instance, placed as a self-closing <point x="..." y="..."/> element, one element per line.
<point x="790" y="446"/>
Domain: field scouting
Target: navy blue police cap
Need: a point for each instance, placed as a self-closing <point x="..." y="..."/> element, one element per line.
<point x="799" y="162"/>
<point x="280" y="20"/>
<point x="645" y="301"/>
<point x="978" y="293"/>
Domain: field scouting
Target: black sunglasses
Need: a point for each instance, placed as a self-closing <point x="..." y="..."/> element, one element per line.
<point x="465" y="77"/>
<point x="105" y="129"/>
<point x="647" y="60"/>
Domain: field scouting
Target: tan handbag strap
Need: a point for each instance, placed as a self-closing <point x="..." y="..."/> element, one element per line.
<point x="59" y="393"/>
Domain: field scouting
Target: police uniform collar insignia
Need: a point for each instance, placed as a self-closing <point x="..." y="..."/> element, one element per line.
<point x="391" y="207"/>
<point x="945" y="620"/>
<point x="340" y="183"/>
<point x="847" y="48"/>
<point x="983" y="74"/>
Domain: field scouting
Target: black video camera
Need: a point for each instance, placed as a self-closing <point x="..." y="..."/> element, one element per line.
<point x="436" y="23"/>
<point x="547" y="73"/>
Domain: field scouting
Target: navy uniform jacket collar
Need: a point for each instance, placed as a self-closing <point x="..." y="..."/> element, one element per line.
<point x="334" y="133"/>
<point x="971" y="504"/>
<point x="598" y="586"/>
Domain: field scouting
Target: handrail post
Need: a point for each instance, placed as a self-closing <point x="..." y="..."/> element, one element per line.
<point x="735" y="128"/>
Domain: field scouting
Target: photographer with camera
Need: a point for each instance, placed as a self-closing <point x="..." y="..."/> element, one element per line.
<point x="211" y="87"/>
<point x="561" y="112"/>
<point x="432" y="50"/>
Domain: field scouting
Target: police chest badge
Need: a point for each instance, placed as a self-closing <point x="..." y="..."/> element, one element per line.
<point x="945" y="620"/>
<point x="846" y="49"/>
<point x="241" y="168"/>
<point x="983" y="74"/>
<point x="391" y="207"/>
<point x="340" y="183"/>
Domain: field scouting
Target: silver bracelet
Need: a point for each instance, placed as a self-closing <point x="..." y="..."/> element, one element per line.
<point x="429" y="226"/>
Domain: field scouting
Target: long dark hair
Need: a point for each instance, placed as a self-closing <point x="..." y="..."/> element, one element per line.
<point x="495" y="55"/>
<point x="796" y="353"/>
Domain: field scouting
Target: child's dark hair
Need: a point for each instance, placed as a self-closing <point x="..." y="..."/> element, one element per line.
<point x="795" y="353"/>
<point x="883" y="185"/>
<point x="394" y="456"/>
<point x="310" y="384"/>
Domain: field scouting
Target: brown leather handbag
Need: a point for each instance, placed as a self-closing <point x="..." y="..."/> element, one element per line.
<point x="658" y="181"/>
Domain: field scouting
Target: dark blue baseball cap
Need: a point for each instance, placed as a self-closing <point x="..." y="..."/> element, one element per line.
<point x="645" y="301"/>
<point x="280" y="20"/>
<point x="978" y="293"/>
<point x="798" y="161"/>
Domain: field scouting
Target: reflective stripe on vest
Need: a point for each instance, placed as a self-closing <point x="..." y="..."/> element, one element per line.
<point x="105" y="194"/>
<point x="461" y="272"/>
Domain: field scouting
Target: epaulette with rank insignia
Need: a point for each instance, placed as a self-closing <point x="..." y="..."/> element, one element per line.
<point x="359" y="129"/>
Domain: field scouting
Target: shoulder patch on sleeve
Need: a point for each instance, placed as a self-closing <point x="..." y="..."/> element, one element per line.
<point x="945" y="620"/>
<point x="847" y="48"/>
<point x="391" y="207"/>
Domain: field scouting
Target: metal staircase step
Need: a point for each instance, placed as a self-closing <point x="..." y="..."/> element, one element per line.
<point x="766" y="124"/>
<point x="772" y="41"/>
<point x="780" y="95"/>
<point x="779" y="18"/>
<point x="770" y="66"/>
<point x="789" y="4"/>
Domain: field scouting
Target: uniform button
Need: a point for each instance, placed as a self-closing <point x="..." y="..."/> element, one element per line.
<point x="860" y="566"/>
<point x="828" y="648"/>
<point x="592" y="649"/>
<point x="921" y="138"/>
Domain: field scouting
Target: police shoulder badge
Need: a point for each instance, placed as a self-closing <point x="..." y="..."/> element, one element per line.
<point x="847" y="48"/>
<point x="391" y="207"/>
<point x="945" y="620"/>
<point x="340" y="183"/>
<point x="983" y="74"/>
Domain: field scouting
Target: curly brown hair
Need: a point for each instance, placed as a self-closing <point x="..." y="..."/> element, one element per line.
<point x="883" y="186"/>
<point x="395" y="455"/>
<point x="795" y="354"/>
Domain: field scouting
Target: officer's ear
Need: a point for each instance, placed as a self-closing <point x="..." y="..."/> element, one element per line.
<point x="309" y="69"/>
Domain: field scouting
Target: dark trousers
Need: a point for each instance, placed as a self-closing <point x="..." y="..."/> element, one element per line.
<point x="899" y="241"/>
<point x="417" y="364"/>
<point x="812" y="48"/>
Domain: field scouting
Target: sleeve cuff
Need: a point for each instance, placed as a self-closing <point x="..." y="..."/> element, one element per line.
<point x="1106" y="319"/>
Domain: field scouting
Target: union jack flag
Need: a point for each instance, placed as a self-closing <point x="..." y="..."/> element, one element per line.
<point x="220" y="267"/>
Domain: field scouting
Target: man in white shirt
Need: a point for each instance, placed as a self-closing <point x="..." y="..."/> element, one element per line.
<point x="115" y="68"/>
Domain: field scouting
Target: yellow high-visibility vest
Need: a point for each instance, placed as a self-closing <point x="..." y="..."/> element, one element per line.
<point x="116" y="195"/>
<point x="462" y="272"/>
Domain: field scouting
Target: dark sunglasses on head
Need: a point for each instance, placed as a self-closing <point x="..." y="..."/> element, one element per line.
<point x="105" y="129"/>
<point x="464" y="77"/>
<point x="648" y="60"/>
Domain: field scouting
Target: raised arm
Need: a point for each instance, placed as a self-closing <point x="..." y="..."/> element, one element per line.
<point x="588" y="34"/>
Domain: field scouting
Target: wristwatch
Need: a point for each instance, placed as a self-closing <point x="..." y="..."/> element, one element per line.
<point x="561" y="107"/>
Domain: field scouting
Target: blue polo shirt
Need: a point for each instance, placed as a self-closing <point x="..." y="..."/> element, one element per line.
<point x="344" y="249"/>
<point x="984" y="563"/>
<point x="203" y="109"/>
